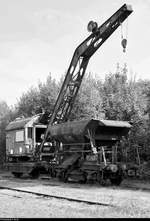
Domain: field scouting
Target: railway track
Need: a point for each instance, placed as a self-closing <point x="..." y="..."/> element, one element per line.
<point x="57" y="197"/>
<point x="129" y="185"/>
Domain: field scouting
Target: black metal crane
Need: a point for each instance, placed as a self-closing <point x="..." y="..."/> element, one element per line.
<point x="78" y="65"/>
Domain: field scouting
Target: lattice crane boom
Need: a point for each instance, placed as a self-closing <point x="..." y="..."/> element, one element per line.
<point x="79" y="62"/>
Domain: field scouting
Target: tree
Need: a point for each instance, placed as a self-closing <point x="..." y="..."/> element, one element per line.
<point x="29" y="103"/>
<point x="48" y="92"/>
<point x="88" y="103"/>
<point x="4" y="119"/>
<point x="38" y="99"/>
<point x="117" y="96"/>
<point x="125" y="99"/>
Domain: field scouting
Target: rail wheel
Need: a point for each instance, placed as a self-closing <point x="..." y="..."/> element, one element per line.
<point x="52" y="172"/>
<point x="84" y="179"/>
<point x="62" y="176"/>
<point x="34" y="174"/>
<point x="17" y="174"/>
<point x="65" y="177"/>
<point x="116" y="181"/>
<point x="103" y="182"/>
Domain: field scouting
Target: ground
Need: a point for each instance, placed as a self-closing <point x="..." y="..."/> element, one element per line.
<point x="131" y="199"/>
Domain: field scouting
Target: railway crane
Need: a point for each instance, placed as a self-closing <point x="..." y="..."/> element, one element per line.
<point x="79" y="62"/>
<point x="68" y="153"/>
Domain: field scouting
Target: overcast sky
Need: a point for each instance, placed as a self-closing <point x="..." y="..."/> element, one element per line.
<point x="40" y="36"/>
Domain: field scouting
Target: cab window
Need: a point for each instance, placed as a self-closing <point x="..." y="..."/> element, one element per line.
<point x="19" y="136"/>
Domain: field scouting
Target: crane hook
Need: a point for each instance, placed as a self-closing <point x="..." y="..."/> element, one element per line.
<point x="124" y="40"/>
<point x="124" y="44"/>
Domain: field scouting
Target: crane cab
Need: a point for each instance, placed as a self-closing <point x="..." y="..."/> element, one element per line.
<point x="23" y="136"/>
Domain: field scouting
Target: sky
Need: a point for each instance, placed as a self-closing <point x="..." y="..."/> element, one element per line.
<point x="38" y="37"/>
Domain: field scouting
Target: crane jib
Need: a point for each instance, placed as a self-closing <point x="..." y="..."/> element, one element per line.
<point x="78" y="65"/>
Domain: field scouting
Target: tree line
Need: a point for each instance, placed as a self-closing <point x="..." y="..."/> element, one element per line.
<point x="114" y="98"/>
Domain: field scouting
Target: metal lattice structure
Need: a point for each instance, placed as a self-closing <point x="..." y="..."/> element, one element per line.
<point x="78" y="65"/>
